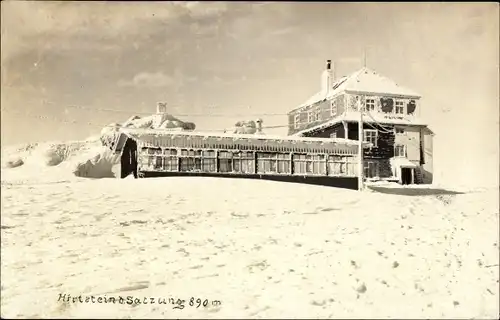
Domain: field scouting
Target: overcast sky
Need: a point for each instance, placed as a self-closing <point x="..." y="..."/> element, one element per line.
<point x="240" y="58"/>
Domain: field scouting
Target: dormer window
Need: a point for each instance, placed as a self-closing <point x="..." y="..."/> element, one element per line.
<point x="370" y="104"/>
<point x="400" y="108"/>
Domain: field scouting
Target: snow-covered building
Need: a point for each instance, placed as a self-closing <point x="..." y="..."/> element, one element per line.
<point x="401" y="140"/>
<point x="162" y="145"/>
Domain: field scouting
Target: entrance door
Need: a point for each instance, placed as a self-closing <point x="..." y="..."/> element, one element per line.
<point x="406" y="176"/>
<point x="129" y="159"/>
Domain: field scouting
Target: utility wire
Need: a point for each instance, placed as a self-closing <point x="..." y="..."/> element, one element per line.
<point x="379" y="124"/>
<point x="180" y="115"/>
<point x="52" y="118"/>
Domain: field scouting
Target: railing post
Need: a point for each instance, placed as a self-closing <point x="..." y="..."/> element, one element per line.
<point x="216" y="160"/>
<point x="178" y="160"/>
<point x="326" y="164"/>
<point x="255" y="162"/>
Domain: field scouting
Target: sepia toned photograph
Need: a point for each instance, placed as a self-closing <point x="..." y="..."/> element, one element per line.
<point x="249" y="160"/>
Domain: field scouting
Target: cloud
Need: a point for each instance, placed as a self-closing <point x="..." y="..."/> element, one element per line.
<point x="198" y="9"/>
<point x="24" y="23"/>
<point x="284" y="31"/>
<point x="146" y="79"/>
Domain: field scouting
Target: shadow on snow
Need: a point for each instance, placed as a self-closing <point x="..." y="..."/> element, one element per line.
<point x="414" y="191"/>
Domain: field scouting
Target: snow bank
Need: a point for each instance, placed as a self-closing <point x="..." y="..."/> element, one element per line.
<point x="14" y="163"/>
<point x="96" y="163"/>
<point x="86" y="158"/>
<point x="54" y="153"/>
<point x="47" y="157"/>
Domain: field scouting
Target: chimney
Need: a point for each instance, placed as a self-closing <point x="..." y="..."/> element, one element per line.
<point x="327" y="78"/>
<point x="161" y="107"/>
<point x="259" y="126"/>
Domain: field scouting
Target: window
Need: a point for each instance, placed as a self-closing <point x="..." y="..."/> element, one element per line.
<point x="208" y="161"/>
<point x="317" y="114"/>
<point x="337" y="166"/>
<point x="370" y="136"/>
<point x="170" y="160"/>
<point x="190" y="160"/>
<point x="370" y="104"/>
<point x="152" y="159"/>
<point x="296" y="121"/>
<point x="309" y="164"/>
<point x="225" y="161"/>
<point x="400" y="131"/>
<point x="270" y="162"/>
<point x="283" y="163"/>
<point x="399" y="150"/>
<point x="310" y="116"/>
<point x="370" y="169"/>
<point x="333" y="108"/>
<point x="243" y="162"/>
<point x="333" y="135"/>
<point x="399" y="107"/>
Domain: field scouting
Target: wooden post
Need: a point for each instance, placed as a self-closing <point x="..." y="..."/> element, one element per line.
<point x="360" y="148"/>
<point x="255" y="167"/>
<point x="346" y="163"/>
<point x="291" y="163"/>
<point x="326" y="164"/>
<point x="178" y="160"/>
<point x="346" y="132"/>
<point x="216" y="160"/>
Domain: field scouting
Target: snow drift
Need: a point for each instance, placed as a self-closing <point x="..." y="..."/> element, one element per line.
<point x="14" y="163"/>
<point x="99" y="162"/>
<point x="87" y="158"/>
<point x="92" y="158"/>
<point x="109" y="134"/>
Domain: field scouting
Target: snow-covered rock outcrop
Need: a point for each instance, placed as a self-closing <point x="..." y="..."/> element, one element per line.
<point x="109" y="134"/>
<point x="247" y="127"/>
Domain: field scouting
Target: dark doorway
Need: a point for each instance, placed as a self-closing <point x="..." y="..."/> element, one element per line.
<point x="406" y="176"/>
<point x="129" y="159"/>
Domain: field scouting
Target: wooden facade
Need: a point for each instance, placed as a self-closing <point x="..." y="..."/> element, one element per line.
<point x="294" y="159"/>
<point x="334" y="112"/>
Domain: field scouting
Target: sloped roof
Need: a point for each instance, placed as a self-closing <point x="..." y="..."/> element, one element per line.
<point x="138" y="133"/>
<point x="364" y="80"/>
<point x="166" y="138"/>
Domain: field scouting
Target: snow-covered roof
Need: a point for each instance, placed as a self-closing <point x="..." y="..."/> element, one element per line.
<point x="372" y="118"/>
<point x="369" y="81"/>
<point x="364" y="80"/>
<point x="159" y="132"/>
